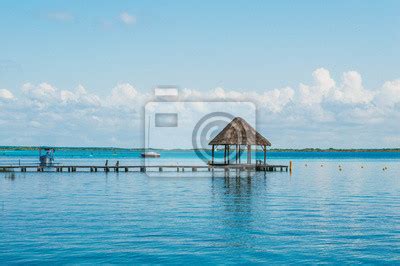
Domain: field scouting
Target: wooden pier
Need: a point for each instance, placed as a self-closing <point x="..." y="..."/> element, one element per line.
<point x="142" y="168"/>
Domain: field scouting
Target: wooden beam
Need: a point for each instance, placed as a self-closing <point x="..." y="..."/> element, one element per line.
<point x="265" y="154"/>
<point x="228" y="153"/>
<point x="249" y="154"/>
<point x="237" y="153"/>
<point x="212" y="154"/>
<point x="225" y="154"/>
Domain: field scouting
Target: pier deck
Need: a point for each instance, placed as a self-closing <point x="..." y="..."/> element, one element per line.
<point x="142" y="168"/>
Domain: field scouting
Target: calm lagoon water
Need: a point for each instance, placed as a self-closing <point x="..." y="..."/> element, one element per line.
<point x="319" y="214"/>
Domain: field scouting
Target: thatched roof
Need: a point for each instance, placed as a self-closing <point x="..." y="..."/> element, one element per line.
<point x="238" y="131"/>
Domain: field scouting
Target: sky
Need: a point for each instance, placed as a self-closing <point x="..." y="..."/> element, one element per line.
<point x="321" y="73"/>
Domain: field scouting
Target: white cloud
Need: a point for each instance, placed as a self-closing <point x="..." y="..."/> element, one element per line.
<point x="389" y="95"/>
<point x="275" y="100"/>
<point x="127" y="18"/>
<point x="124" y="95"/>
<point x="45" y="95"/>
<point x="6" y="94"/>
<point x="352" y="91"/>
<point x="307" y="111"/>
<point x="41" y="95"/>
<point x="315" y="94"/>
<point x="323" y="79"/>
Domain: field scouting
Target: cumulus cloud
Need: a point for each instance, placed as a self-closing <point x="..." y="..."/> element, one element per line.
<point x="123" y="95"/>
<point x="6" y="94"/>
<point x="79" y="115"/>
<point x="315" y="94"/>
<point x="389" y="95"/>
<point x="45" y="95"/>
<point x="127" y="18"/>
<point x="352" y="91"/>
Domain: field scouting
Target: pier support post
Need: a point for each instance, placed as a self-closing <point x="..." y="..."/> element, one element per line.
<point x="239" y="152"/>
<point x="248" y="154"/>
<point x="265" y="154"/>
<point x="224" y="154"/>
<point x="212" y="154"/>
<point x="228" y="153"/>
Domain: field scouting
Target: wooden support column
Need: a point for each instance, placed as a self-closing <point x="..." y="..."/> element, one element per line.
<point x="228" y="153"/>
<point x="236" y="158"/>
<point x="224" y="154"/>
<point x="212" y="154"/>
<point x="239" y="153"/>
<point x="265" y="154"/>
<point x="249" y="154"/>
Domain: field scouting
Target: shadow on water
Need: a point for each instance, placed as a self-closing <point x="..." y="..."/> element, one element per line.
<point x="239" y="183"/>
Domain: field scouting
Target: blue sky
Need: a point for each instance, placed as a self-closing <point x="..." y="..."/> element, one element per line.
<point x="243" y="46"/>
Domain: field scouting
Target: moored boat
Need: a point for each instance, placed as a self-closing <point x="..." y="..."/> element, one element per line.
<point x="46" y="158"/>
<point x="150" y="154"/>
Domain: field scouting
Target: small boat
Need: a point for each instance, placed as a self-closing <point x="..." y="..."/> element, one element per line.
<point x="46" y="158"/>
<point x="150" y="154"/>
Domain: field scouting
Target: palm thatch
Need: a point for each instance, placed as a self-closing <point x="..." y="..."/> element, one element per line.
<point x="238" y="131"/>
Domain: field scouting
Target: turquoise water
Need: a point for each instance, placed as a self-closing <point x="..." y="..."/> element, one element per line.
<point x="318" y="214"/>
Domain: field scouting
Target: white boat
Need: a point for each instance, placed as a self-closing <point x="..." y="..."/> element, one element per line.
<point x="46" y="158"/>
<point x="150" y="154"/>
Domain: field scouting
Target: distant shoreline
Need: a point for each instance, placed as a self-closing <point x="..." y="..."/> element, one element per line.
<point x="33" y="148"/>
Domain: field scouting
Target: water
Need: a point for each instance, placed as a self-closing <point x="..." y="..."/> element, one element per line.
<point x="319" y="214"/>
